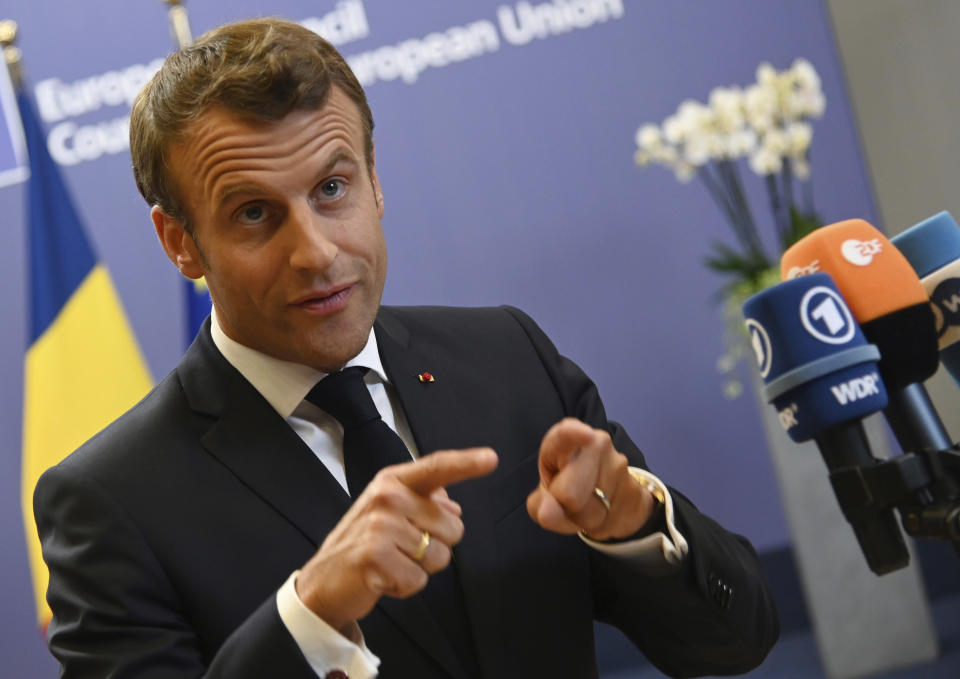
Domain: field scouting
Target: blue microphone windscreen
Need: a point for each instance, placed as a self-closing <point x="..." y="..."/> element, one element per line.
<point x="931" y="244"/>
<point x="817" y="367"/>
<point x="933" y="249"/>
<point x="848" y="394"/>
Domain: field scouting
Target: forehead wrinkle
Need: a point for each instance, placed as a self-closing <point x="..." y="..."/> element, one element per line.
<point x="331" y="119"/>
<point x="205" y="142"/>
<point x="246" y="187"/>
<point x="250" y="152"/>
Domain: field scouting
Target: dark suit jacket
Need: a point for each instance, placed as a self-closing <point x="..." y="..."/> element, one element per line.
<point x="168" y="534"/>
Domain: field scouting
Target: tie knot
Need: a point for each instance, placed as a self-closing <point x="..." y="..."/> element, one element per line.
<point x="344" y="395"/>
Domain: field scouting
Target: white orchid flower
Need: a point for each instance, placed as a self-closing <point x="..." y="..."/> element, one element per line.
<point x="776" y="142"/>
<point x="766" y="75"/>
<point x="805" y="74"/>
<point x="726" y="104"/>
<point x="765" y="162"/>
<point x="649" y="136"/>
<point x="741" y="143"/>
<point x="760" y="106"/>
<point x="799" y="136"/>
<point x="698" y="149"/>
<point x="674" y="129"/>
<point x="801" y="168"/>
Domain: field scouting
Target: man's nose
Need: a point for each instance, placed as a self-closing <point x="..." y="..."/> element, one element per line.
<point x="309" y="240"/>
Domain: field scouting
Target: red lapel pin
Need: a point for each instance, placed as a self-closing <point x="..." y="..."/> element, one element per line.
<point x="425" y="377"/>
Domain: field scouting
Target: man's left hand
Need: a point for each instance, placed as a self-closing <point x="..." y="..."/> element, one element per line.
<point x="575" y="462"/>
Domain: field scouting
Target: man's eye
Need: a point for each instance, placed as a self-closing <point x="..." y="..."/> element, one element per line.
<point x="332" y="188"/>
<point x="252" y="214"/>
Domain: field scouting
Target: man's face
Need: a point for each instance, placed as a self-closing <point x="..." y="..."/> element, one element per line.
<point x="286" y="219"/>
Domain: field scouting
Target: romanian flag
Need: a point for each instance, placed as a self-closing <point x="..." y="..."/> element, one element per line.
<point x="83" y="366"/>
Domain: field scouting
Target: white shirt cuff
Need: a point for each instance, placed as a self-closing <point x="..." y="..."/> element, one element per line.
<point x="653" y="550"/>
<point x="324" y="647"/>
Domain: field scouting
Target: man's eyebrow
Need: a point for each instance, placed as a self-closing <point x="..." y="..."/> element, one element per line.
<point x="339" y="157"/>
<point x="231" y="191"/>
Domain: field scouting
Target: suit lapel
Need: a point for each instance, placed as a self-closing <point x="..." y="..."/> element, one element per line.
<point x="439" y="415"/>
<point x="258" y="446"/>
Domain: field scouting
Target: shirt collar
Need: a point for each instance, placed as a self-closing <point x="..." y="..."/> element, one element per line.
<point x="284" y="384"/>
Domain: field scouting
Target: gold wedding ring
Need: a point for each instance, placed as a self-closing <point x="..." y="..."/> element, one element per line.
<point x="422" y="547"/>
<point x="602" y="497"/>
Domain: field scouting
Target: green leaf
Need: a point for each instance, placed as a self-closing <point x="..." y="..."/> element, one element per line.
<point x="727" y="260"/>
<point x="742" y="268"/>
<point x="800" y="226"/>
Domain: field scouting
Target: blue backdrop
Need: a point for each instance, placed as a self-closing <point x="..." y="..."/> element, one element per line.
<point x="506" y="156"/>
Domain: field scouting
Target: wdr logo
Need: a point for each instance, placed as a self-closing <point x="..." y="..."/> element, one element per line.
<point x="856" y="389"/>
<point x="825" y="316"/>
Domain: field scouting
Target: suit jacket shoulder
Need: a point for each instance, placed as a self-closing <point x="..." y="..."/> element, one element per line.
<point x="140" y="525"/>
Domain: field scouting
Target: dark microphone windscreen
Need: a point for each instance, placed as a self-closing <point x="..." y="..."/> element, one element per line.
<point x="933" y="249"/>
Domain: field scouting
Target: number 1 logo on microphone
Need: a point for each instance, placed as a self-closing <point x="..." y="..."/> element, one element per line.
<point x="826" y="317"/>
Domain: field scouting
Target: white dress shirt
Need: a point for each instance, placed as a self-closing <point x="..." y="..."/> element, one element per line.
<point x="284" y="385"/>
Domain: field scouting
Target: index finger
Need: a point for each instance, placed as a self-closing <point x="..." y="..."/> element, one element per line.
<point x="561" y="443"/>
<point x="445" y="467"/>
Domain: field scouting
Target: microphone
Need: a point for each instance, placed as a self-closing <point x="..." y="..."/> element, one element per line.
<point x="889" y="302"/>
<point x="822" y="376"/>
<point x="933" y="249"/>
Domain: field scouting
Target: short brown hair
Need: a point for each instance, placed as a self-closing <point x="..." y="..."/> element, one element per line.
<point x="260" y="69"/>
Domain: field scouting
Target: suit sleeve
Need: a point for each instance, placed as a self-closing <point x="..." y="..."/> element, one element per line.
<point x="714" y="614"/>
<point x="115" y="611"/>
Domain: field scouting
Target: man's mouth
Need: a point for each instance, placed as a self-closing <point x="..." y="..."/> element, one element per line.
<point x="325" y="301"/>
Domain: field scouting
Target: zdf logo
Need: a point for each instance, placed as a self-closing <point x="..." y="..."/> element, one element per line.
<point x="825" y="316"/>
<point x="797" y="271"/>
<point x="860" y="252"/>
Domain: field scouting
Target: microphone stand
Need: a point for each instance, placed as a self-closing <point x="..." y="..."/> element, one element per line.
<point x="923" y="486"/>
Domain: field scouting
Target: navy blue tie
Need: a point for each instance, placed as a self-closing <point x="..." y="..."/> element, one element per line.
<point x="368" y="443"/>
<point x="368" y="446"/>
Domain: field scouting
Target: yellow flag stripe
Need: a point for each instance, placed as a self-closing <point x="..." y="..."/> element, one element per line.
<point x="83" y="372"/>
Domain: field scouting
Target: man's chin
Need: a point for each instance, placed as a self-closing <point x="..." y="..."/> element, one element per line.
<point x="329" y="356"/>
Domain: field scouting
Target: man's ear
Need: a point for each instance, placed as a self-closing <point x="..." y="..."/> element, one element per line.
<point x="179" y="245"/>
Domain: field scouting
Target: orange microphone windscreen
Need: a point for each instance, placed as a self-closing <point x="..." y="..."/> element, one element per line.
<point x="873" y="276"/>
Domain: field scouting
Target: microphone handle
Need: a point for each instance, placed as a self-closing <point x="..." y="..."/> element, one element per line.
<point x="914" y="420"/>
<point x="846" y="451"/>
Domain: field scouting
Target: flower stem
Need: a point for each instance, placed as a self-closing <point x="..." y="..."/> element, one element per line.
<point x="748" y="229"/>
<point x="807" y="188"/>
<point x="776" y="207"/>
<point x="787" y="176"/>
<point x="749" y="223"/>
<point x="721" y="199"/>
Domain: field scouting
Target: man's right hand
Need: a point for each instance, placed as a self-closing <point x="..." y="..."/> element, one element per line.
<point x="372" y="550"/>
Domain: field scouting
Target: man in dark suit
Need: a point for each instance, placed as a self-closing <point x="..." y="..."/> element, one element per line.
<point x="217" y="529"/>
